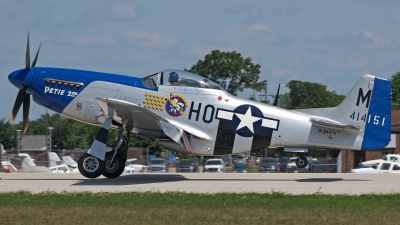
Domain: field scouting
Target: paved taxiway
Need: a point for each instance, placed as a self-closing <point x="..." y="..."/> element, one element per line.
<point x="297" y="183"/>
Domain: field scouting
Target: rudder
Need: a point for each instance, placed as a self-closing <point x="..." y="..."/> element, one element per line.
<point x="378" y="124"/>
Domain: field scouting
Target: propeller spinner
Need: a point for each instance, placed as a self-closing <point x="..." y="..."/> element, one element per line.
<point x="22" y="79"/>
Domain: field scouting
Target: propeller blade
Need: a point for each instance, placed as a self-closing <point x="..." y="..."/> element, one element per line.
<point x="37" y="53"/>
<point x="18" y="101"/>
<point x="27" y="102"/>
<point x="27" y="58"/>
<point x="277" y="95"/>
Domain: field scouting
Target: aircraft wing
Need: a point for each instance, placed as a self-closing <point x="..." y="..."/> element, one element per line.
<point x="146" y="121"/>
<point x="133" y="115"/>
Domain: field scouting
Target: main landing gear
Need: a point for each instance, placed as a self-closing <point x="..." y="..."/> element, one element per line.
<point x="90" y="166"/>
<point x="113" y="164"/>
<point x="301" y="161"/>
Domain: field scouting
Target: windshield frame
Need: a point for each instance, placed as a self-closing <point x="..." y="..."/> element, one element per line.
<point x="182" y="78"/>
<point x="152" y="81"/>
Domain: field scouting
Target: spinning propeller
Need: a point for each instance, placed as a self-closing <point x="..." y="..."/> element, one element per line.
<point x="23" y="96"/>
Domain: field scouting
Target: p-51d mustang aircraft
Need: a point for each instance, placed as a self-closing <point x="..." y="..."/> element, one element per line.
<point x="193" y="115"/>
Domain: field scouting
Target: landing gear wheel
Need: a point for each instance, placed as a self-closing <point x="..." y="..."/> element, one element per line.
<point x="90" y="166"/>
<point x="115" y="169"/>
<point x="301" y="162"/>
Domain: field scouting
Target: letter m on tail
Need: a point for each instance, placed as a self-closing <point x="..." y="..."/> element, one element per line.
<point x="363" y="97"/>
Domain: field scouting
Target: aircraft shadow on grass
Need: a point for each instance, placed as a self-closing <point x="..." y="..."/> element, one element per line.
<point x="162" y="178"/>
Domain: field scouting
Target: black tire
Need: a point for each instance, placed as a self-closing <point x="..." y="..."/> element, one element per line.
<point x="116" y="169"/>
<point x="301" y="162"/>
<point x="90" y="166"/>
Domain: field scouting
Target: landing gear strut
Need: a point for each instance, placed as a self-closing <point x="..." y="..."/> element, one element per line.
<point x="91" y="165"/>
<point x="301" y="161"/>
<point x="115" y="160"/>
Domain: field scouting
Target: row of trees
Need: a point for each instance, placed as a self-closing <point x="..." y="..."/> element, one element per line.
<point x="229" y="69"/>
<point x="235" y="73"/>
<point x="68" y="134"/>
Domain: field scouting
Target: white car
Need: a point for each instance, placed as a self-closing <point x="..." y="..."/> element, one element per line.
<point x="132" y="166"/>
<point x="214" y="166"/>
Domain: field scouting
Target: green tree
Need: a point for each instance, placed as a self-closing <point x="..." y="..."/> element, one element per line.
<point x="230" y="70"/>
<point x="8" y="134"/>
<point x="138" y="141"/>
<point x="395" y="79"/>
<point x="304" y="95"/>
<point x="83" y="144"/>
<point x="284" y="100"/>
<point x="78" y="131"/>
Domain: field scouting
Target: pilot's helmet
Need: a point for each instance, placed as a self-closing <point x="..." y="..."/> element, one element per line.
<point x="173" y="77"/>
<point x="203" y="83"/>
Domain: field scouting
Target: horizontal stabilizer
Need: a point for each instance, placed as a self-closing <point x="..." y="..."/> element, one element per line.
<point x="333" y="124"/>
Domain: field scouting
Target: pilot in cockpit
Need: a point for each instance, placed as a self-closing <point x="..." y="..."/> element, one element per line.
<point x="203" y="83"/>
<point x="173" y="78"/>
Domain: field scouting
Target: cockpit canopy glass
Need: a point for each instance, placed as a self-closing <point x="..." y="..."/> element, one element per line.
<point x="179" y="78"/>
<point x="151" y="81"/>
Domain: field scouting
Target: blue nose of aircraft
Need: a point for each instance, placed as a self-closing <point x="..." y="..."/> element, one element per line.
<point x="21" y="77"/>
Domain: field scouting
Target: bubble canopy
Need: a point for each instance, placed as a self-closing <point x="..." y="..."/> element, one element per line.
<point x="178" y="78"/>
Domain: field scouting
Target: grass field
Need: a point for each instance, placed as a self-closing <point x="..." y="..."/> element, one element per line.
<point x="180" y="208"/>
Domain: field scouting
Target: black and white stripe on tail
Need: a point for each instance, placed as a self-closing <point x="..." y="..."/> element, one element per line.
<point x="99" y="146"/>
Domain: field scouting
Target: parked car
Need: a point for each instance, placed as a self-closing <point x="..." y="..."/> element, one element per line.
<point x="239" y="158"/>
<point x="214" y="166"/>
<point x="133" y="163"/>
<point x="269" y="165"/>
<point x="158" y="165"/>
<point x="240" y="167"/>
<point x="226" y="160"/>
<point x="282" y="164"/>
<point x="187" y="165"/>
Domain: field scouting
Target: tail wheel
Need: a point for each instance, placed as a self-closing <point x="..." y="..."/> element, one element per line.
<point x="90" y="166"/>
<point x="114" y="169"/>
<point x="301" y="162"/>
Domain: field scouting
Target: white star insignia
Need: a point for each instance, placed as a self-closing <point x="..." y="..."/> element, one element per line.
<point x="247" y="120"/>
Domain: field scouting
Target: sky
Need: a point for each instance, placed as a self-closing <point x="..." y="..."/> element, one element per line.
<point x="329" y="42"/>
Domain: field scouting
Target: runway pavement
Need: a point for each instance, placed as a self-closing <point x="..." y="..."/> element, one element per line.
<point x="296" y="183"/>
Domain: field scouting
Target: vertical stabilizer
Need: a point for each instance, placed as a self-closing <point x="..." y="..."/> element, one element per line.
<point x="368" y="107"/>
<point x="8" y="167"/>
<point x="26" y="160"/>
<point x="54" y="159"/>
<point x="69" y="161"/>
